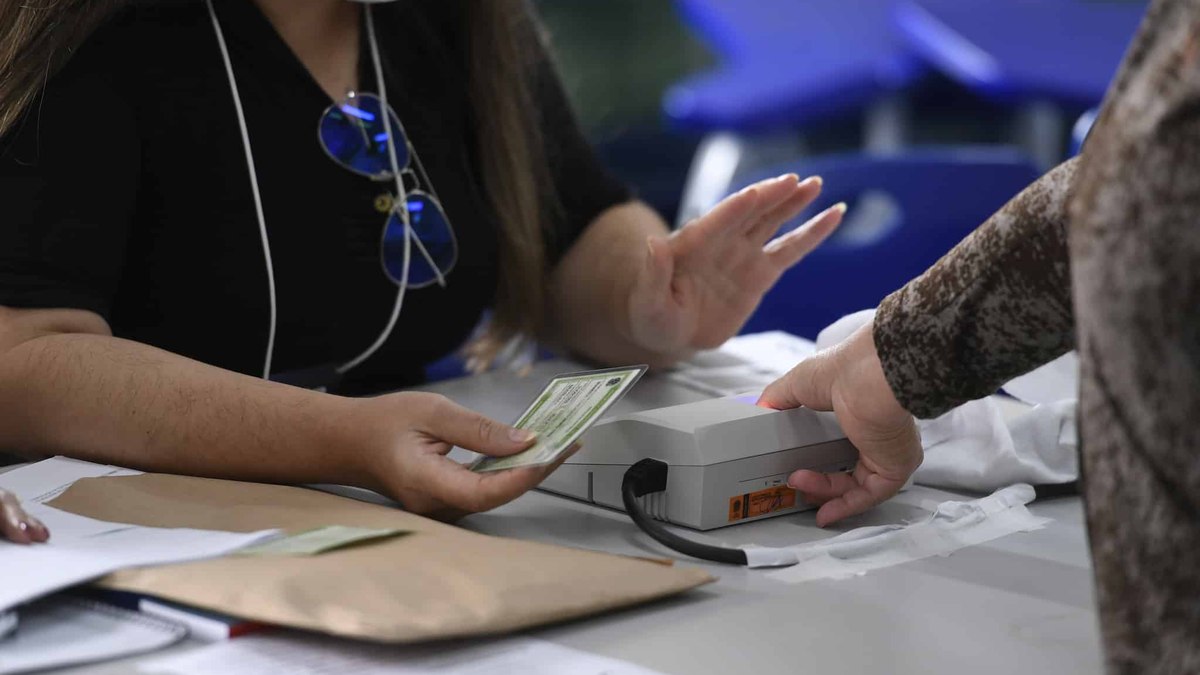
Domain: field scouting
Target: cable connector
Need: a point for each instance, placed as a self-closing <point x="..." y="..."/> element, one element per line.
<point x="647" y="476"/>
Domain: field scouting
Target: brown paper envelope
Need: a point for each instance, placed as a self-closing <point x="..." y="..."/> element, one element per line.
<point x="438" y="582"/>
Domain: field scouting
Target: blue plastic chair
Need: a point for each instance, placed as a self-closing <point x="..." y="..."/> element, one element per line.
<point x="448" y="368"/>
<point x="789" y="62"/>
<point x="906" y="211"/>
<point x="1065" y="51"/>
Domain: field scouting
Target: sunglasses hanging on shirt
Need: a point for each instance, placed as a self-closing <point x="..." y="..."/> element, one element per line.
<point x="354" y="134"/>
<point x="417" y="247"/>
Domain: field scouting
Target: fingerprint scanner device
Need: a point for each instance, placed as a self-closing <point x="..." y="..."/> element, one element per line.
<point x="728" y="460"/>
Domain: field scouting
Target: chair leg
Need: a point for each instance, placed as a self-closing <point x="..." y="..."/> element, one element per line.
<point x="711" y="175"/>
<point x="1041" y="130"/>
<point x="885" y="129"/>
<point x="725" y="158"/>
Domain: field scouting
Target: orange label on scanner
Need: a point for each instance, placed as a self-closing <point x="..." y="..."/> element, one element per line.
<point x="753" y="504"/>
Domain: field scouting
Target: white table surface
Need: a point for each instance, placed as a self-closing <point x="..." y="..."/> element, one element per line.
<point x="1021" y="604"/>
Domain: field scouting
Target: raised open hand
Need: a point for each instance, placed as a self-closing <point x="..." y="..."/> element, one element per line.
<point x="700" y="284"/>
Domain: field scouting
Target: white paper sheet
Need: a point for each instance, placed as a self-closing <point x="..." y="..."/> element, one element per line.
<point x="774" y="350"/>
<point x="82" y="548"/>
<point x="43" y="481"/>
<point x="746" y="363"/>
<point x="951" y="526"/>
<point x="316" y="655"/>
<point x="1053" y="382"/>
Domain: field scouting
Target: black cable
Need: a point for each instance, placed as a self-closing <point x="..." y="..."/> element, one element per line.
<point x="649" y="476"/>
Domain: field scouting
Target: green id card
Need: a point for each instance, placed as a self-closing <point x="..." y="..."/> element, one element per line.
<point x="319" y="540"/>
<point x="566" y="408"/>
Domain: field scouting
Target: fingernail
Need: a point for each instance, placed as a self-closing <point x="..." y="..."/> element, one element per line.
<point x="788" y="176"/>
<point x="521" y="435"/>
<point x="813" y="180"/>
<point x="840" y="207"/>
<point x="791" y="482"/>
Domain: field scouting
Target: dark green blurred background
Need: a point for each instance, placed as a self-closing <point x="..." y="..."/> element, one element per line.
<point x="617" y="57"/>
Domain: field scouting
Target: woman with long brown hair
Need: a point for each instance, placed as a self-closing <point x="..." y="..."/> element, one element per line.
<point x="192" y="198"/>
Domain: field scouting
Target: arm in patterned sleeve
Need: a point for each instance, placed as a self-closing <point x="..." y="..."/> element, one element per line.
<point x="1135" y="245"/>
<point x="996" y="306"/>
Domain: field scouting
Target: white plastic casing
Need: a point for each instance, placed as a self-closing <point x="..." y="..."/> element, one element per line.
<point x="719" y="451"/>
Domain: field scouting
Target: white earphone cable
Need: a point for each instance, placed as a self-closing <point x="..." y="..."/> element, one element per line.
<point x="410" y="235"/>
<point x="399" y="202"/>
<point x="258" y="206"/>
<point x="262" y="224"/>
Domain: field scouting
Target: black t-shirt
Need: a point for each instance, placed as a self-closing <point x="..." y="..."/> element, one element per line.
<point x="125" y="191"/>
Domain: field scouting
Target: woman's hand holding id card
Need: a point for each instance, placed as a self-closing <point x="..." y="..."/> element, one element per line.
<point x="568" y="406"/>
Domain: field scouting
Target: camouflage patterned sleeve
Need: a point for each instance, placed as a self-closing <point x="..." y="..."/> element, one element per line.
<point x="995" y="307"/>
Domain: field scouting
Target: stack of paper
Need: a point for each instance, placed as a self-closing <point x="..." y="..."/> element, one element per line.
<point x="58" y="632"/>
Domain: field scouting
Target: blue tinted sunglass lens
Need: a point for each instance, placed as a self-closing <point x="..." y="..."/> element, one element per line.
<point x="429" y="223"/>
<point x="353" y="134"/>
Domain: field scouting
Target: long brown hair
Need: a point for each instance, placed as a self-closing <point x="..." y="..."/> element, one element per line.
<point x="516" y="174"/>
<point x="36" y="39"/>
<point x="38" y="36"/>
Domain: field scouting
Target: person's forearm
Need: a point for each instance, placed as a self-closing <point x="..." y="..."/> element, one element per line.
<point x="995" y="307"/>
<point x="590" y="288"/>
<point x="110" y="400"/>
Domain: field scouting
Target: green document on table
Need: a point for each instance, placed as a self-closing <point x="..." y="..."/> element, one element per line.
<point x="319" y="540"/>
<point x="565" y="409"/>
